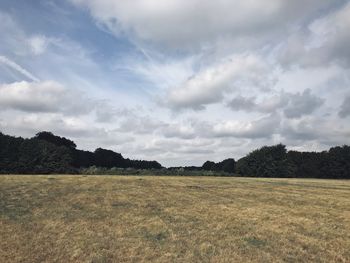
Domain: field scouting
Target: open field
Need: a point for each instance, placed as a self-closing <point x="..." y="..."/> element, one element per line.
<point x="173" y="219"/>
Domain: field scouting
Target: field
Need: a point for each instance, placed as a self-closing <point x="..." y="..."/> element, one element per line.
<point x="173" y="219"/>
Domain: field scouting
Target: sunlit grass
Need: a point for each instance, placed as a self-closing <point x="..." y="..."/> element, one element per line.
<point x="173" y="219"/>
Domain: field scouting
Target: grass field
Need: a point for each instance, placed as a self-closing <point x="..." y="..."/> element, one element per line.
<point x="173" y="219"/>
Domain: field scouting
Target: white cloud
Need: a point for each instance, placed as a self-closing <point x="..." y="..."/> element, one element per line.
<point x="46" y="96"/>
<point x="38" y="44"/>
<point x="211" y="84"/>
<point x="162" y="72"/>
<point x="31" y="123"/>
<point x="325" y="40"/>
<point x="261" y="128"/>
<point x="320" y="131"/>
<point x="180" y="130"/>
<point x="139" y="124"/>
<point x="190" y="23"/>
<point x="294" y="105"/>
<point x="18" y="68"/>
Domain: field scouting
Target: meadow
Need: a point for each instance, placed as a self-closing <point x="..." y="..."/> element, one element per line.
<point x="173" y="219"/>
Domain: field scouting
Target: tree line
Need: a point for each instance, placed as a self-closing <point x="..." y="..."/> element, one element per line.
<point x="276" y="161"/>
<point x="47" y="153"/>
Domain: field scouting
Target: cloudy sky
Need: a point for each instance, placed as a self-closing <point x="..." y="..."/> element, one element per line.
<point x="179" y="81"/>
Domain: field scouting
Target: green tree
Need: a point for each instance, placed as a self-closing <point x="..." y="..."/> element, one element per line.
<point x="268" y="161"/>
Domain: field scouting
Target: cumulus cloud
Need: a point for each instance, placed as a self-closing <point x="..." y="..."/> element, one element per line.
<point x="139" y="124"/>
<point x="211" y="84"/>
<point x="319" y="131"/>
<point x="345" y="108"/>
<point x="299" y="130"/>
<point x="294" y="105"/>
<point x="188" y="130"/>
<point x="242" y="103"/>
<point x="179" y="130"/>
<point x="261" y="128"/>
<point x="325" y="40"/>
<point x="266" y="105"/>
<point x="302" y="104"/>
<point x="163" y="146"/>
<point x="333" y="33"/>
<point x="184" y="23"/>
<point x="45" y="97"/>
<point x="31" y="123"/>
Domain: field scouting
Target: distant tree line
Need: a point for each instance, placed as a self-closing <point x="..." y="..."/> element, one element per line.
<point x="275" y="161"/>
<point x="47" y="153"/>
<point x="226" y="166"/>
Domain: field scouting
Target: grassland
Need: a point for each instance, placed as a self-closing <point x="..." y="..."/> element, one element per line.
<point x="173" y="219"/>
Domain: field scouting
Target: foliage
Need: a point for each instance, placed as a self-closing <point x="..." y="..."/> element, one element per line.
<point x="108" y="158"/>
<point x="57" y="140"/>
<point x="266" y="162"/>
<point x="307" y="164"/>
<point x="337" y="163"/>
<point x="334" y="163"/>
<point x="25" y="156"/>
<point x="227" y="166"/>
<point x="47" y="153"/>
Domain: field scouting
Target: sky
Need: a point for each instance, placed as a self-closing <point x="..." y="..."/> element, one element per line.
<point x="177" y="81"/>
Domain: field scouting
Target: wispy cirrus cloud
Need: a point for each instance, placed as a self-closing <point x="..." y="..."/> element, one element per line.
<point x="11" y="64"/>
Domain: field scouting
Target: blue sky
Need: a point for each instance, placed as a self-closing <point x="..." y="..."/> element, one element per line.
<point x="177" y="81"/>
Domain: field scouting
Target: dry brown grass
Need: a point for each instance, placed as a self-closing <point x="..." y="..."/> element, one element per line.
<point x="173" y="219"/>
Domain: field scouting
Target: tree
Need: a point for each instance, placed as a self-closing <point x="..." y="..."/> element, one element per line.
<point x="108" y="159"/>
<point x="266" y="162"/>
<point x="83" y="159"/>
<point x="18" y="155"/>
<point x="227" y="165"/>
<point x="41" y="157"/>
<point x="307" y="164"/>
<point x="337" y="163"/>
<point x="57" y="140"/>
<point x="140" y="164"/>
<point x="48" y="153"/>
<point x="9" y="149"/>
<point x="208" y="166"/>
